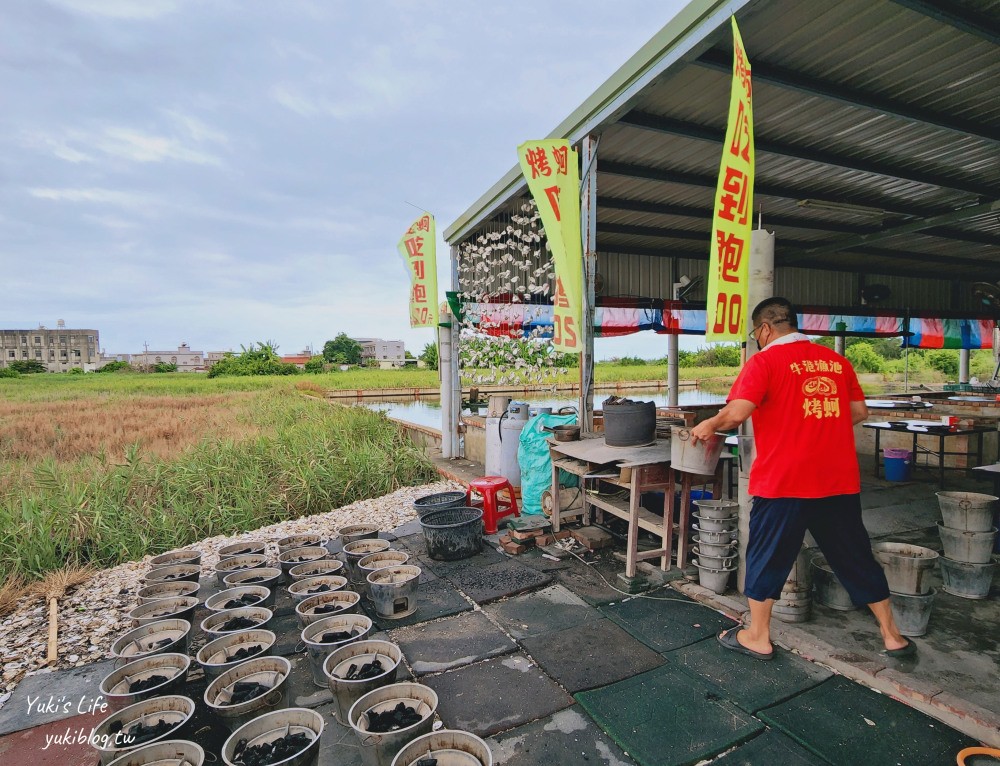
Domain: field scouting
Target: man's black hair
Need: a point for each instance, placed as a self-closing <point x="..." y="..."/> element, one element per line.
<point x="775" y="311"/>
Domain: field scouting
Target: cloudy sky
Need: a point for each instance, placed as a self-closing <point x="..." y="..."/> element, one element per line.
<point x="219" y="172"/>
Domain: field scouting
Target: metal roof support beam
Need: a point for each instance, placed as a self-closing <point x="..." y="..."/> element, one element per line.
<point x="950" y="13"/>
<point x="955" y="216"/>
<point x="787" y="78"/>
<point x="668" y="126"/>
<point x="588" y="231"/>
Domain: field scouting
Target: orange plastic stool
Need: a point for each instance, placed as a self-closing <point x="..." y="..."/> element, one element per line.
<point x="494" y="507"/>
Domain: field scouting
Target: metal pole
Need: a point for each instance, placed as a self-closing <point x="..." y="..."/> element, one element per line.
<point x="444" y="380"/>
<point x="840" y="344"/>
<point x="963" y="365"/>
<point x="760" y="287"/>
<point x="453" y="371"/>
<point x="588" y="231"/>
<point x="673" y="377"/>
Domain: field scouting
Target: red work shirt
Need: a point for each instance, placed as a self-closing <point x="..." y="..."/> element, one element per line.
<point x="803" y="434"/>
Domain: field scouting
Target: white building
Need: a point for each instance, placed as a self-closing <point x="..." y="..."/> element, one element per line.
<point x="386" y="353"/>
<point x="185" y="359"/>
<point x="60" y="350"/>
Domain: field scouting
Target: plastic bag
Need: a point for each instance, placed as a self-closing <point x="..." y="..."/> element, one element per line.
<point x="535" y="463"/>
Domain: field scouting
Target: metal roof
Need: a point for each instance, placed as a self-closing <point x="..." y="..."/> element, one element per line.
<point x="889" y="109"/>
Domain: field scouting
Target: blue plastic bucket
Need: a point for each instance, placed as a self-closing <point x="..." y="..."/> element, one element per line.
<point x="897" y="464"/>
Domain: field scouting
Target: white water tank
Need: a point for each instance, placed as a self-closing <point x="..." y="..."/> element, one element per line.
<point x="493" y="446"/>
<point x="510" y="438"/>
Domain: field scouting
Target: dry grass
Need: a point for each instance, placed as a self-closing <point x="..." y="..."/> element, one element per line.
<point x="311" y="388"/>
<point x="12" y="590"/>
<point x="56" y="583"/>
<point x="162" y="425"/>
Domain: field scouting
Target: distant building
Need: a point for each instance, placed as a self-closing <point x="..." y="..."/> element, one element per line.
<point x="386" y="353"/>
<point x="60" y="350"/>
<point x="299" y="360"/>
<point x="214" y="356"/>
<point x="185" y="359"/>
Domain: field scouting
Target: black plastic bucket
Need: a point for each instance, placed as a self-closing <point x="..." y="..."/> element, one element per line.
<point x="630" y="425"/>
<point x="453" y="533"/>
<point x="438" y="502"/>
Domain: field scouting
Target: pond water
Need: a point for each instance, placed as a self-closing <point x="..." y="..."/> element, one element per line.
<point x="426" y="411"/>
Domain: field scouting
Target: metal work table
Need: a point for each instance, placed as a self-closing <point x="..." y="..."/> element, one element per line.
<point x="941" y="432"/>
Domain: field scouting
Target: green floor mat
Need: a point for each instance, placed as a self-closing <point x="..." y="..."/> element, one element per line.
<point x="772" y="748"/>
<point x="667" y="625"/>
<point x="666" y="718"/>
<point x="844" y="722"/>
<point x="761" y="684"/>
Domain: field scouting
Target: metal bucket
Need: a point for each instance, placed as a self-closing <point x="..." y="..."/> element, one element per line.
<point x="629" y="425"/>
<point x="394" y="591"/>
<point x="439" y="501"/>
<point x="453" y="534"/>
<point x="714" y="537"/>
<point x="213" y="656"/>
<point x="212" y="625"/>
<point x="793" y="607"/>
<point x="173" y="573"/>
<point x="346" y="600"/>
<point x="186" y="556"/>
<point x="969" y="511"/>
<point x="302" y="589"/>
<point x="715" y="562"/>
<point x="238" y="564"/>
<point x="912" y="612"/>
<point x="715" y="550"/>
<point x="179" y="608"/>
<point x="173" y="709"/>
<point x="299" y="541"/>
<point x="354" y="532"/>
<point x="689" y="456"/>
<point x="357" y="624"/>
<point x="907" y="567"/>
<point x="142" y="641"/>
<point x="715" y="525"/>
<point x="172" y="752"/>
<point x="164" y="590"/>
<point x="829" y="591"/>
<point x="716" y="579"/>
<point x="274" y="725"/>
<point x="265" y="577"/>
<point x="356" y="550"/>
<point x="245" y="548"/>
<point x="966" y="580"/>
<point x="295" y="556"/>
<point x="264" y="596"/>
<point x="447" y="747"/>
<point x="316" y="568"/>
<point x="115" y="685"/>
<point x="375" y="561"/>
<point x="717" y="509"/>
<point x="379" y="749"/>
<point x="346" y="692"/>
<point x="970" y="547"/>
<point x="269" y="671"/>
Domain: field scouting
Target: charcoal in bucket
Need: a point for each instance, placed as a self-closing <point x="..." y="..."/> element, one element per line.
<point x="439" y="501"/>
<point x="453" y="533"/>
<point x="628" y="423"/>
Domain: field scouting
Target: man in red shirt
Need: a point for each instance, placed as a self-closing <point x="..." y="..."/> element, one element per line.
<point x="805" y="400"/>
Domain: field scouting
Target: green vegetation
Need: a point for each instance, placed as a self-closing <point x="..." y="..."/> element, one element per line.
<point x="429" y="356"/>
<point x="299" y="456"/>
<point x="116" y="366"/>
<point x="27" y="366"/>
<point x="342" y="350"/>
<point x="255" y="359"/>
<point x="7" y="372"/>
<point x="315" y="364"/>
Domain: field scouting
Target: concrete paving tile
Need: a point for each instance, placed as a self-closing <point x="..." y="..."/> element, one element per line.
<point x="451" y="642"/>
<point x="761" y="684"/>
<point x="437" y="598"/>
<point x="593" y="654"/>
<point x="496" y="581"/>
<point x="666" y="718"/>
<point x="496" y="695"/>
<point x="666" y="625"/>
<point x="37" y="746"/>
<point x="845" y="722"/>
<point x="566" y="737"/>
<point x="338" y="744"/>
<point x="771" y="748"/>
<point x="46" y="697"/>
<point x="543" y="611"/>
<point x="446" y="569"/>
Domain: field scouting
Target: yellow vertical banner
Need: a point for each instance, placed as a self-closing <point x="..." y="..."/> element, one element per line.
<point x="733" y="213"/>
<point x="552" y="170"/>
<point x="418" y="248"/>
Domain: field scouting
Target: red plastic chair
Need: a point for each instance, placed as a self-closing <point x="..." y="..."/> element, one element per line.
<point x="494" y="507"/>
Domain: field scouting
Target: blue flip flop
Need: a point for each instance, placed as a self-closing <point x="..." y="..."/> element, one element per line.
<point x="728" y="639"/>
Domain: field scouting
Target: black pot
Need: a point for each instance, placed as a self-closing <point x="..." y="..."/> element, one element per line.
<point x="630" y="425"/>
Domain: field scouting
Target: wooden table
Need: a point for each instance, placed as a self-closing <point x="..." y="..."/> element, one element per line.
<point x="939" y="431"/>
<point x="635" y="470"/>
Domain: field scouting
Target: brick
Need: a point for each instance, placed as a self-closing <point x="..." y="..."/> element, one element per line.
<point x="562" y="534"/>
<point x="592" y="537"/>
<point x="514" y="549"/>
<point x="906" y="686"/>
<point x="504" y="538"/>
<point x="543" y="540"/>
<point x="524" y="535"/>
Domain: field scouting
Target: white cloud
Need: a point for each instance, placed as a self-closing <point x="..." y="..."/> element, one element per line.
<point x="142" y="147"/>
<point x="127" y="143"/>
<point x="92" y="195"/>
<point x="132" y="10"/>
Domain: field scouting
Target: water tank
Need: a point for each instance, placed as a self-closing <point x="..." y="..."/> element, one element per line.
<point x="493" y="446"/>
<point x="518" y="411"/>
<point x="510" y="437"/>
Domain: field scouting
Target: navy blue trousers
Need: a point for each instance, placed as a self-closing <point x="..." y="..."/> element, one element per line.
<point x="777" y="529"/>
